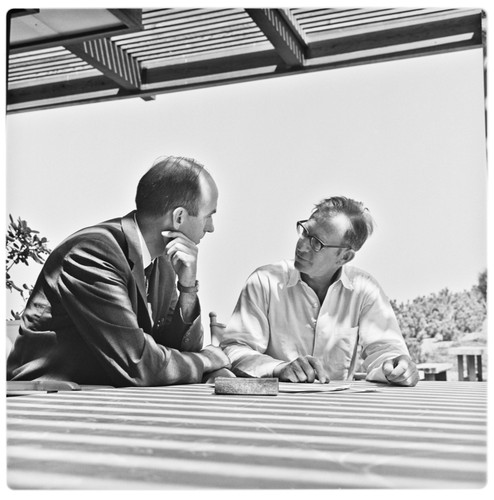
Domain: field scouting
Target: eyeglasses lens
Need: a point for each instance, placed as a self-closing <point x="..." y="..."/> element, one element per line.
<point x="313" y="241"/>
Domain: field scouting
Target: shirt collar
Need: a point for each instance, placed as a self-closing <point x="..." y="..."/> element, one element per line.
<point x="146" y="256"/>
<point x="294" y="277"/>
<point x="345" y="280"/>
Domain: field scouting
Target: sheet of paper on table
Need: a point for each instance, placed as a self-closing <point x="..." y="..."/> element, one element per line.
<point x="318" y="387"/>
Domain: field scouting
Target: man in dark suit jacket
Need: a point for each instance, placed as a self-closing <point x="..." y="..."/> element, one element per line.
<point x="94" y="317"/>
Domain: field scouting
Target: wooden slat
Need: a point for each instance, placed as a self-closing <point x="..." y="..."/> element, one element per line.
<point x="427" y="33"/>
<point x="238" y="62"/>
<point x="34" y="64"/>
<point x="169" y="17"/>
<point x="408" y="22"/>
<point x="364" y="17"/>
<point x="163" y="34"/>
<point x="206" y="50"/>
<point x="235" y="30"/>
<point x="38" y="71"/>
<point x="72" y="86"/>
<point x="37" y="54"/>
<point x="213" y="43"/>
<point x="282" y="34"/>
<point x="111" y="60"/>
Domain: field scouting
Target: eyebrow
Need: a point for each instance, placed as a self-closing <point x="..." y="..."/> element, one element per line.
<point x="319" y="238"/>
<point x="309" y="231"/>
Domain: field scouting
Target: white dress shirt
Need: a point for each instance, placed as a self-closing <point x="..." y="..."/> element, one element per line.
<point x="146" y="262"/>
<point x="146" y="256"/>
<point x="278" y="318"/>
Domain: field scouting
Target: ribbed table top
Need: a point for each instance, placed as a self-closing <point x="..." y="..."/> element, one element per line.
<point x="429" y="436"/>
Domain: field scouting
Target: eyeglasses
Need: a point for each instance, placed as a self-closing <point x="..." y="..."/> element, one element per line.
<point x="315" y="243"/>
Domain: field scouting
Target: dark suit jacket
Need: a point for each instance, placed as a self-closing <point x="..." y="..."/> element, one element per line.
<point x="87" y="319"/>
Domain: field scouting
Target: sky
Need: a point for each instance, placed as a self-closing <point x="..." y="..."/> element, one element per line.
<point x="405" y="137"/>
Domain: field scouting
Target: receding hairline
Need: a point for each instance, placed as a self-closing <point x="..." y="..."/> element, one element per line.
<point x="173" y="181"/>
<point x="360" y="222"/>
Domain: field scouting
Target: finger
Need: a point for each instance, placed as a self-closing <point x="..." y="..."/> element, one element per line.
<point x="287" y="374"/>
<point x="176" y="263"/>
<point x="388" y="367"/>
<point x="404" y="373"/>
<point x="408" y="379"/>
<point x="397" y="378"/>
<point x="176" y="234"/>
<point x="184" y="246"/>
<point x="310" y="374"/>
<point x="414" y="379"/>
<point x="182" y="257"/>
<point x="320" y="372"/>
<point x="298" y="371"/>
<point x="400" y="368"/>
<point x="411" y="376"/>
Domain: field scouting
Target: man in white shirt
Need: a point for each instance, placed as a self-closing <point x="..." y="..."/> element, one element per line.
<point x="311" y="317"/>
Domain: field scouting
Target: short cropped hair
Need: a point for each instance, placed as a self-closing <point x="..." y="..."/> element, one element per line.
<point x="170" y="183"/>
<point x="362" y="223"/>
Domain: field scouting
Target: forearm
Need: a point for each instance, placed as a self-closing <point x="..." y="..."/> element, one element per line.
<point x="376" y="354"/>
<point x="246" y="337"/>
<point x="380" y="336"/>
<point x="189" y="307"/>
<point x="180" y="334"/>
<point x="249" y="362"/>
<point x="171" y="367"/>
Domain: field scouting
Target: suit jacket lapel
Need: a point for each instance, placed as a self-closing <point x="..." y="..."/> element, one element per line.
<point x="135" y="257"/>
<point x="162" y="290"/>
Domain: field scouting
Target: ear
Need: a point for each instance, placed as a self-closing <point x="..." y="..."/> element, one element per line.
<point x="347" y="255"/>
<point x="178" y="217"/>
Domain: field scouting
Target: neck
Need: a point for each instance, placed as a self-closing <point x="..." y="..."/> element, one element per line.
<point x="321" y="284"/>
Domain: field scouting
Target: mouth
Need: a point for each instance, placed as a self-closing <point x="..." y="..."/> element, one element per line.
<point x="300" y="258"/>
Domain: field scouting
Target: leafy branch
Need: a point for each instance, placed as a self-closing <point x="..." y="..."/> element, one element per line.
<point x="23" y="246"/>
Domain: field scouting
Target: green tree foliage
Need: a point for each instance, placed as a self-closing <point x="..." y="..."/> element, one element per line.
<point x="23" y="247"/>
<point x="443" y="316"/>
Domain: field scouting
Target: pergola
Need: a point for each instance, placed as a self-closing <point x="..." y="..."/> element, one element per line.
<point x="60" y="57"/>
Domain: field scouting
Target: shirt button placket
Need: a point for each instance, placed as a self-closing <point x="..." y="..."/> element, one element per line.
<point x="315" y="307"/>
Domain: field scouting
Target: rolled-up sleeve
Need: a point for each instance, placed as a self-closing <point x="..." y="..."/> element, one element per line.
<point x="246" y="337"/>
<point x="379" y="334"/>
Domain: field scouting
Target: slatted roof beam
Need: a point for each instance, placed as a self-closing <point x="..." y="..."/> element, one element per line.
<point x="150" y="74"/>
<point x="111" y="60"/>
<point x="467" y="29"/>
<point x="280" y="29"/>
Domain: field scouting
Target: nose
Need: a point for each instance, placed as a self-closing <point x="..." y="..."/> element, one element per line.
<point x="209" y="227"/>
<point x="303" y="244"/>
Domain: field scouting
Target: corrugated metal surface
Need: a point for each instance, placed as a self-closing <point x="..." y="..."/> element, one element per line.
<point x="429" y="436"/>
